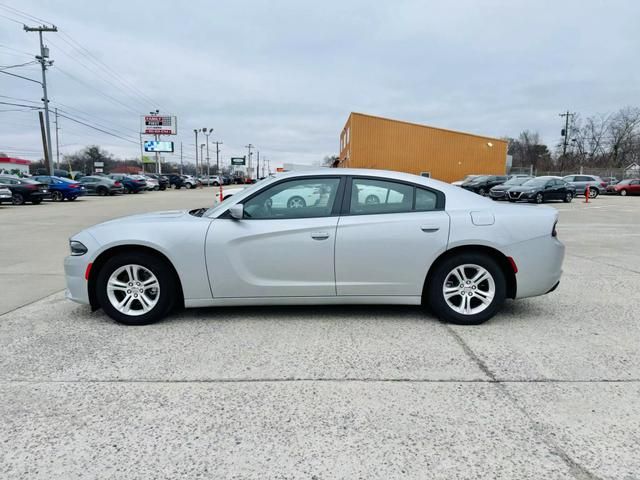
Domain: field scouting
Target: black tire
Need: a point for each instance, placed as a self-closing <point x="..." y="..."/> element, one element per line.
<point x="17" y="199"/>
<point x="216" y="184"/>
<point x="168" y="288"/>
<point x="482" y="192"/>
<point x="127" y="190"/>
<point x="623" y="193"/>
<point x="434" y="295"/>
<point x="568" y="197"/>
<point x="36" y="201"/>
<point x="57" y="196"/>
<point x="297" y="199"/>
<point x="163" y="188"/>
<point x="372" y="200"/>
<point x="512" y="201"/>
<point x="188" y="186"/>
<point x="102" y="191"/>
<point x="71" y="199"/>
<point x="594" y="192"/>
<point x="539" y="198"/>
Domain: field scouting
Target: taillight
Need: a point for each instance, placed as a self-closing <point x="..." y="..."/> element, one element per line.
<point x="31" y="186"/>
<point x="117" y="184"/>
<point x="554" y="232"/>
<point x="74" y="185"/>
<point x="603" y="184"/>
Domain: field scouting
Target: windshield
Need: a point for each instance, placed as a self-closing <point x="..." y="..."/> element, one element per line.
<point x="535" y="182"/>
<point x="481" y="178"/>
<point x="66" y="180"/>
<point x="517" y="181"/>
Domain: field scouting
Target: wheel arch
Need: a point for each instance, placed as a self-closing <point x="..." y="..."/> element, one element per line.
<point x="502" y="260"/>
<point x="115" y="250"/>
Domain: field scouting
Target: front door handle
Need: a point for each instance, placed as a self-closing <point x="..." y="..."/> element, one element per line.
<point x="429" y="228"/>
<point x="320" y="235"/>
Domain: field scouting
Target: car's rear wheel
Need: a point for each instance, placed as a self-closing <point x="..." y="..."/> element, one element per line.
<point x="372" y="200"/>
<point x="482" y="192"/>
<point x="57" y="196"/>
<point x="36" y="201"/>
<point x="102" y="191"/>
<point x="568" y="197"/>
<point x="539" y="198"/>
<point x="296" y="202"/>
<point x="623" y="193"/>
<point x="188" y="186"/>
<point x="17" y="199"/>
<point x="136" y="289"/>
<point x="593" y="192"/>
<point x="466" y="289"/>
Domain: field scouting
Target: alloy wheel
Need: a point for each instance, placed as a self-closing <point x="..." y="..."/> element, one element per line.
<point x="296" y="202"/>
<point x="17" y="199"/>
<point x="623" y="193"/>
<point x="133" y="290"/>
<point x="57" y="196"/>
<point x="469" y="289"/>
<point x="539" y="198"/>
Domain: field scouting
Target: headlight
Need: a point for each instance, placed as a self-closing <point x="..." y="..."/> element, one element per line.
<point x="77" y="248"/>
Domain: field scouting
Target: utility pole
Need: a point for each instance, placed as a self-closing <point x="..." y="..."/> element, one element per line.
<point x="218" y="157"/>
<point x="268" y="166"/>
<point x="258" y="164"/>
<point x="141" y="153"/>
<point x="250" y="169"/>
<point x="45" y="148"/>
<point x="201" y="156"/>
<point x="195" y="130"/>
<point x="57" y="142"/>
<point x="206" y="134"/>
<point x="263" y="162"/>
<point x="181" y="164"/>
<point x="565" y="131"/>
<point x="44" y="63"/>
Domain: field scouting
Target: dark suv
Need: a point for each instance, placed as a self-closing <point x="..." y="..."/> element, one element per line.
<point x="481" y="185"/>
<point x="163" y="180"/>
<point x="176" y="180"/>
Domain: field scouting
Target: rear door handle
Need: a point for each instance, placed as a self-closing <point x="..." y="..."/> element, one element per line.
<point x="320" y="235"/>
<point x="429" y="228"/>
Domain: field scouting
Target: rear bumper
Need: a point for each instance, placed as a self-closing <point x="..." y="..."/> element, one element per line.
<point x="539" y="263"/>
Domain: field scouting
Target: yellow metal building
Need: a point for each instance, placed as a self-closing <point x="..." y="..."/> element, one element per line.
<point x="375" y="142"/>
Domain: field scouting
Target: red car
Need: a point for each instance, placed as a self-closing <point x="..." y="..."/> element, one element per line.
<point x="630" y="186"/>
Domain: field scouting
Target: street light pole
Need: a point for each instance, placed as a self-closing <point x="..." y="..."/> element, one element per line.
<point x="206" y="134"/>
<point x="44" y="62"/>
<point x="196" y="132"/>
<point x="218" y="157"/>
<point x="201" y="157"/>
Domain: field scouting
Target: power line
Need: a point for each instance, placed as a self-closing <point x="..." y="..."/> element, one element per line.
<point x="20" y="13"/>
<point x="98" y="129"/>
<point x="12" y="19"/>
<point x="16" y="50"/>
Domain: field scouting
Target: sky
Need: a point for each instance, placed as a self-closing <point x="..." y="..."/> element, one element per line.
<point x="284" y="75"/>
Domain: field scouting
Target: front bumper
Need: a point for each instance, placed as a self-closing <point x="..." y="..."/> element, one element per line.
<point x="498" y="195"/>
<point x="75" y="269"/>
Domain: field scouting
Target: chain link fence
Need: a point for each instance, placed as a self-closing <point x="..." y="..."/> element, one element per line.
<point x="619" y="173"/>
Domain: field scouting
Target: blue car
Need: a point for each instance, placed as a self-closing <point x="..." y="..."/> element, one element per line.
<point x="130" y="184"/>
<point x="62" y="188"/>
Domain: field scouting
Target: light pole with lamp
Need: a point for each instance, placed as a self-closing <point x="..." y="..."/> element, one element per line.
<point x="206" y="134"/>
<point x="195" y="130"/>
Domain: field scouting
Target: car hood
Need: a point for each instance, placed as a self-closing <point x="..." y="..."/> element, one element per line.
<point x="145" y="217"/>
<point x="503" y="188"/>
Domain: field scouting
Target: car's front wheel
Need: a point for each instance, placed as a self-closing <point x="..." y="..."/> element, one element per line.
<point x="539" y="198"/>
<point x="466" y="289"/>
<point x="568" y="197"/>
<point x="623" y="193"/>
<point x="57" y="196"/>
<point x="17" y="199"/>
<point x="296" y="202"/>
<point x="188" y="186"/>
<point x="135" y="289"/>
<point x="482" y="192"/>
<point x="593" y="192"/>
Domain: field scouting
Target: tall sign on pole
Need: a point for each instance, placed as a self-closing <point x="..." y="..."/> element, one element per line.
<point x="156" y="125"/>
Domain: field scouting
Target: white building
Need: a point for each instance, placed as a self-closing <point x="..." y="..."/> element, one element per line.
<point x="14" y="165"/>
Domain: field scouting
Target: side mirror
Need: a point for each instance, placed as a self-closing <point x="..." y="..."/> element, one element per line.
<point x="236" y="211"/>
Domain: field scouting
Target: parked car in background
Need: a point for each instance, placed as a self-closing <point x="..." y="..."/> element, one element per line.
<point x="214" y="180"/>
<point x="5" y="194"/>
<point x="580" y="182"/>
<point x="542" y="189"/>
<point x="468" y="178"/>
<point x="629" y="186"/>
<point x="175" y="180"/>
<point x="163" y="180"/>
<point x="130" y="184"/>
<point x="190" y="181"/>
<point x="101" y="185"/>
<point x="151" y="183"/>
<point x="62" y="188"/>
<point x="482" y="184"/>
<point x="459" y="254"/>
<point x="610" y="180"/>
<point x="24" y="189"/>
<point x="227" y="179"/>
<point x="499" y="192"/>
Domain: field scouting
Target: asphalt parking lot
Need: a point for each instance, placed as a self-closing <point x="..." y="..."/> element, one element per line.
<point x="547" y="389"/>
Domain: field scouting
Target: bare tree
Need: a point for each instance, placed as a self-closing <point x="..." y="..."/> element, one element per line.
<point x="623" y="134"/>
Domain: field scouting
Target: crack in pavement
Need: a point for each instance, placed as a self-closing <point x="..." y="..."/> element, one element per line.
<point x="577" y="470"/>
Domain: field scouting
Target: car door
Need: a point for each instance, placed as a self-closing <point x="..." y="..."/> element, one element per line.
<point x="386" y="248"/>
<point x="89" y="183"/>
<point x="278" y="249"/>
<point x="634" y="187"/>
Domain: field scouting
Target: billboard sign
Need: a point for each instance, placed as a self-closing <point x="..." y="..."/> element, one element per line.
<point x="98" y="164"/>
<point x="238" y="160"/>
<point x="154" y="146"/>
<point x="159" y="125"/>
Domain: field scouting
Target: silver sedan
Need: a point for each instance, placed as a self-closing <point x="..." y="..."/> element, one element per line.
<point x="423" y="242"/>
